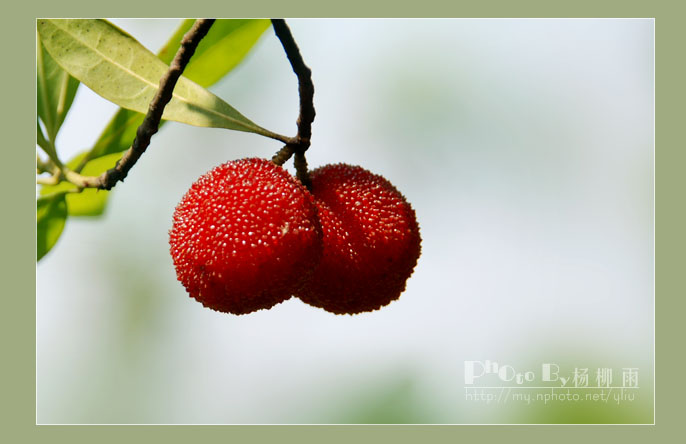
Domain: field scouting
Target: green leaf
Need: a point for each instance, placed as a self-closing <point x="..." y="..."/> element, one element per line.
<point x="51" y="215"/>
<point x="223" y="48"/>
<point x="114" y="65"/>
<point x="90" y="201"/>
<point x="118" y="135"/>
<point x="55" y="90"/>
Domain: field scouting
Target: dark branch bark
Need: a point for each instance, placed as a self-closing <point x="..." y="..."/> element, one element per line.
<point x="283" y="155"/>
<point x="301" y="142"/>
<point x="301" y="169"/>
<point x="152" y="119"/>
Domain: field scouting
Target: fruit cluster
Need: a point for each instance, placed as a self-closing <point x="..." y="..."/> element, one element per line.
<point x="247" y="235"/>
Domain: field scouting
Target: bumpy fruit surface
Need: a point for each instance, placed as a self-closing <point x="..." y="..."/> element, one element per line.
<point x="371" y="241"/>
<point x="245" y="236"/>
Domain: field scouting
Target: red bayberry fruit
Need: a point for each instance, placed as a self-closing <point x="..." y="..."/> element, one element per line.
<point x="371" y="241"/>
<point x="245" y="236"/>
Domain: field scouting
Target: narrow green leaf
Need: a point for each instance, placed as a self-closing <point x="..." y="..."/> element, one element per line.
<point x="223" y="48"/>
<point x="89" y="202"/>
<point x="55" y="90"/>
<point x="117" y="67"/>
<point x="51" y="215"/>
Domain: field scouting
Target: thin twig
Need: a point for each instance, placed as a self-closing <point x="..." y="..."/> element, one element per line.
<point x="301" y="142"/>
<point x="48" y="181"/>
<point x="294" y="145"/>
<point x="151" y="123"/>
<point x="305" y="85"/>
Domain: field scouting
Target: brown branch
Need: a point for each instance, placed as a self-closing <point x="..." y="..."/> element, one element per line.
<point x="151" y="123"/>
<point x="301" y="169"/>
<point x="301" y="142"/>
<point x="283" y="155"/>
<point x="305" y="85"/>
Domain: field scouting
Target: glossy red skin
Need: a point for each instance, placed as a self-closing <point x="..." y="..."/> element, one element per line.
<point x="245" y="236"/>
<point x="371" y="241"/>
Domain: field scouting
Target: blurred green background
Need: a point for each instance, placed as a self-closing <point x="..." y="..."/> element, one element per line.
<point x="526" y="148"/>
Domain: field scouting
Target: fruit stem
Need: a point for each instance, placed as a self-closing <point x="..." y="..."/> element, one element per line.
<point x="301" y="169"/>
<point x="300" y="143"/>
<point x="283" y="155"/>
